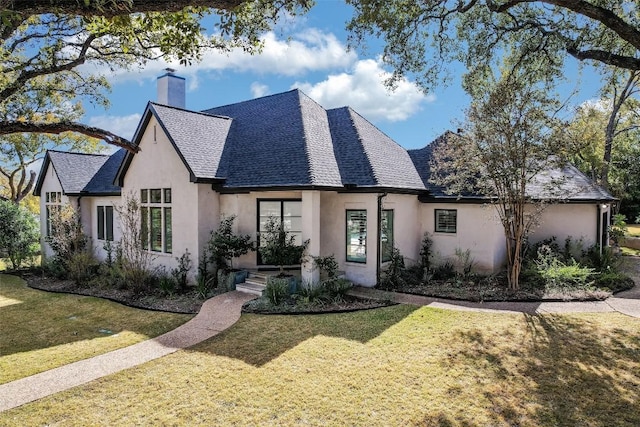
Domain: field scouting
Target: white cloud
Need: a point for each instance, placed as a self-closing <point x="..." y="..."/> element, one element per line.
<point x="363" y="89"/>
<point x="259" y="89"/>
<point x="307" y="51"/>
<point x="124" y="126"/>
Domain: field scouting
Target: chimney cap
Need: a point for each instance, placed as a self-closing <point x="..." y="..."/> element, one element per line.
<point x="170" y="70"/>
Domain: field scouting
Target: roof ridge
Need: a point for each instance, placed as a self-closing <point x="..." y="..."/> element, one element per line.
<point x="80" y="153"/>
<point x="202" y="113"/>
<point x="253" y="99"/>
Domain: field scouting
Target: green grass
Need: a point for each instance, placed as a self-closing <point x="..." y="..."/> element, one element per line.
<point x="633" y="230"/>
<point x="41" y="330"/>
<point x="398" y="365"/>
<point x="3" y="265"/>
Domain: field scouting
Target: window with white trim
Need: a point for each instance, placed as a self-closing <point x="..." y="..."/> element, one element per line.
<point x="53" y="204"/>
<point x="446" y="221"/>
<point x="156" y="221"/>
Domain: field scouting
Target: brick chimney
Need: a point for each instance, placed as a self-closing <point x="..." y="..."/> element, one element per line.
<point x="171" y="89"/>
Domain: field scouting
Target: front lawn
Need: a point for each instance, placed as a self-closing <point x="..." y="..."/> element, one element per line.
<point x="41" y="330"/>
<point x="398" y="365"/>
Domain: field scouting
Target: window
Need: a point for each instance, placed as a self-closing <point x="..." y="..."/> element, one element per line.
<point x="357" y="236"/>
<point x="156" y="220"/>
<point x="288" y="212"/>
<point x="53" y="204"/>
<point x="386" y="234"/>
<point x="105" y="223"/>
<point x="446" y="220"/>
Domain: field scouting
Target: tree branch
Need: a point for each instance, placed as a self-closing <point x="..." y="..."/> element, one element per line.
<point x="114" y="7"/>
<point x="620" y="61"/>
<point x="9" y="127"/>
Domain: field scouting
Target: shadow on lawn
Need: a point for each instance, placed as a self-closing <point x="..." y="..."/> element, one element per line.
<point x="566" y="371"/>
<point x="34" y="320"/>
<point x="258" y="339"/>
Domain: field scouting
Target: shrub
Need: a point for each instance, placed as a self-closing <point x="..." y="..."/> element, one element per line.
<point x="167" y="285"/>
<point x="337" y="288"/>
<point x="278" y="247"/>
<point x="613" y="281"/>
<point x="180" y="274"/>
<point x="327" y="265"/>
<point x="602" y="261"/>
<point x="313" y="292"/>
<point x="224" y="245"/>
<point x="277" y="290"/>
<point x="19" y="233"/>
<point x="618" y="229"/>
<point x="82" y="266"/>
<point x="66" y="236"/>
<point x="558" y="273"/>
<point x="444" y="271"/>
<point x="465" y="262"/>
<point x="426" y="248"/>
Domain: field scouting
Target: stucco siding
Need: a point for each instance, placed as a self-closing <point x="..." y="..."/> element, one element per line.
<point x="90" y="222"/>
<point x="478" y="230"/>
<point x="578" y="221"/>
<point x="157" y="165"/>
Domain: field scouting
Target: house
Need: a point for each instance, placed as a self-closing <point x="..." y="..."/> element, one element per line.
<point x="330" y="175"/>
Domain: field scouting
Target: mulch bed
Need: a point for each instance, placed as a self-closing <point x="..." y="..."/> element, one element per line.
<point x="188" y="303"/>
<point x="292" y="306"/>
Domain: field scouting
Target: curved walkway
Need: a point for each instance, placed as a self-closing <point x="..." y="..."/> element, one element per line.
<point x="216" y="315"/>
<point x="627" y="302"/>
<point x="219" y="313"/>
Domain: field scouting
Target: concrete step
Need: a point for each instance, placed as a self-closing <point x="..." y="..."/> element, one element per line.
<point x="250" y="288"/>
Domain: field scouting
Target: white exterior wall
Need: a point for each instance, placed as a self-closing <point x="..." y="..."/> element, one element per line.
<point x="245" y="207"/>
<point x="564" y="220"/>
<point x="478" y="229"/>
<point x="157" y="165"/>
<point x="51" y="183"/>
<point x="89" y="207"/>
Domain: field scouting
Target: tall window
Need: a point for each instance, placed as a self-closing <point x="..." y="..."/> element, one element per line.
<point x="288" y="212"/>
<point x="53" y="204"/>
<point x="386" y="234"/>
<point x="105" y="223"/>
<point x="156" y="221"/>
<point x="357" y="236"/>
<point x="446" y="220"/>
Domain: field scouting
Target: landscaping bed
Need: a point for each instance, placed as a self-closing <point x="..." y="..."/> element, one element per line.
<point x="293" y="305"/>
<point x="187" y="303"/>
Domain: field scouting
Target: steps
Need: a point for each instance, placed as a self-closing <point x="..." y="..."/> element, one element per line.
<point x="254" y="284"/>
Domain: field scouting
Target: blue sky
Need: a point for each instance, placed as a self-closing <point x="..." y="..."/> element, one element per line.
<point x="309" y="53"/>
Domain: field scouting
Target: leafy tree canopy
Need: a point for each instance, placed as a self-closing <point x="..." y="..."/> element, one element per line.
<point x="47" y="47"/>
<point x="420" y="37"/>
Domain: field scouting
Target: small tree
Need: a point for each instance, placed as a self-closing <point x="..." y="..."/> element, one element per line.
<point x="278" y="246"/>
<point x="507" y="148"/>
<point x="135" y="261"/>
<point x="225" y="245"/>
<point x="18" y="233"/>
<point x="66" y="237"/>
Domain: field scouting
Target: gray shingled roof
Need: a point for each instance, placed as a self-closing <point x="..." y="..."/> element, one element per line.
<point x="278" y="140"/>
<point x="86" y="173"/>
<point x="562" y="182"/>
<point x="199" y="138"/>
<point x="368" y="157"/>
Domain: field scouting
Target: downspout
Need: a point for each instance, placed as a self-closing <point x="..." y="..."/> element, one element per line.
<point x="599" y="241"/>
<point x="379" y="238"/>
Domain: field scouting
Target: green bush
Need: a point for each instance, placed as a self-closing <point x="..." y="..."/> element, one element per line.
<point x="606" y="260"/>
<point x="277" y="290"/>
<point x="327" y="265"/>
<point x="19" y="234"/>
<point x="613" y="281"/>
<point x="560" y="274"/>
<point x="82" y="266"/>
<point x="181" y="272"/>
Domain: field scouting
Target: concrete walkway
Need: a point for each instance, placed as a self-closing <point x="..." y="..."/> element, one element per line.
<point x="216" y="315"/>
<point x="625" y="302"/>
